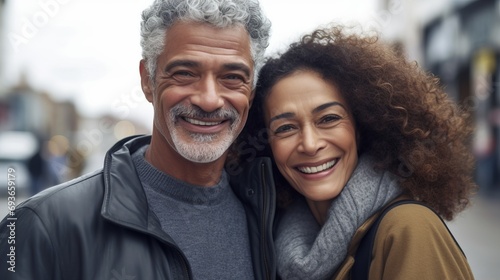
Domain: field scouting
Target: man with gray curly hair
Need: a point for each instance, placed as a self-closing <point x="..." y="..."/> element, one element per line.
<point x="163" y="207"/>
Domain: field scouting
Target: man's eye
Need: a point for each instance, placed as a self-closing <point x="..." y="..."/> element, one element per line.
<point x="183" y="74"/>
<point x="234" y="78"/>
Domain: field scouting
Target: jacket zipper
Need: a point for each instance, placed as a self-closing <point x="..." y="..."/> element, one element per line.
<point x="186" y="271"/>
<point x="178" y="252"/>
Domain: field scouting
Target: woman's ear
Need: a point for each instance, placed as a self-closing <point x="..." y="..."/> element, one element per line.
<point x="147" y="88"/>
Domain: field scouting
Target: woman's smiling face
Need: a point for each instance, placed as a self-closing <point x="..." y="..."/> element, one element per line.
<point x="312" y="134"/>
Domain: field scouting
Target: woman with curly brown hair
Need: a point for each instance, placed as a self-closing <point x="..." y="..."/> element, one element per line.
<point x="353" y="126"/>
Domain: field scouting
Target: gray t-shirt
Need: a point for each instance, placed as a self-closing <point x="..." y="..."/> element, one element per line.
<point x="207" y="223"/>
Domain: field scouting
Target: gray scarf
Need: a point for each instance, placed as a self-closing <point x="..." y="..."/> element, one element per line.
<point x="305" y="250"/>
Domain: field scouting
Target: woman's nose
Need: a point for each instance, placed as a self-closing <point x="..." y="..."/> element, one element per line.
<point x="311" y="141"/>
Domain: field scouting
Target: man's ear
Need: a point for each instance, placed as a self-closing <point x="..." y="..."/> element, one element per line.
<point x="147" y="88"/>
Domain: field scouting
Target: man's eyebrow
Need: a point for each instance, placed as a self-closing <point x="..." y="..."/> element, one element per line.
<point x="327" y="105"/>
<point x="238" y="66"/>
<point x="190" y="63"/>
<point x="182" y="62"/>
<point x="281" y="116"/>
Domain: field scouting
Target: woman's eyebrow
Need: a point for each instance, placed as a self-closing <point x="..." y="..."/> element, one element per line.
<point x="327" y="105"/>
<point x="282" y="116"/>
<point x="315" y="110"/>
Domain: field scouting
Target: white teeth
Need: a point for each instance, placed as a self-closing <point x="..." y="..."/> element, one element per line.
<point x="197" y="122"/>
<point x="316" y="169"/>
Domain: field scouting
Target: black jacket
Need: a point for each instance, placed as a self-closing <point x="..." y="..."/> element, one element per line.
<point x="99" y="226"/>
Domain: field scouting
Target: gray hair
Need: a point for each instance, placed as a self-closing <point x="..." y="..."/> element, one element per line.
<point x="162" y="14"/>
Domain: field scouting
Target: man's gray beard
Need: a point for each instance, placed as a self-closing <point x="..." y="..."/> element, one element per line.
<point x="202" y="148"/>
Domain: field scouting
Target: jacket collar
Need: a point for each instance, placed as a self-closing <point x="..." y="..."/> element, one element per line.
<point x="124" y="201"/>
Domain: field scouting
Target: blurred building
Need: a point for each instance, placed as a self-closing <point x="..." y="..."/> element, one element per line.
<point x="49" y="142"/>
<point x="97" y="135"/>
<point x="459" y="41"/>
<point x="28" y="109"/>
<point x="31" y="116"/>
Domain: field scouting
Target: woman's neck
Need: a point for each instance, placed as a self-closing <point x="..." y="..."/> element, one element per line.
<point x="319" y="210"/>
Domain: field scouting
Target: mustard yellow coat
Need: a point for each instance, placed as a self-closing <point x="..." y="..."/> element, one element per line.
<point x="411" y="243"/>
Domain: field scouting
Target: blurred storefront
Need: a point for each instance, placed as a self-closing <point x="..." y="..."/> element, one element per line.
<point x="29" y="122"/>
<point x="462" y="47"/>
<point x="48" y="141"/>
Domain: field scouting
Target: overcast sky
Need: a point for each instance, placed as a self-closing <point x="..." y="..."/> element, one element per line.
<point x="88" y="51"/>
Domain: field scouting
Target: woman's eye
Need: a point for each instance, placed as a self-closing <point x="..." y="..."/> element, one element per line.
<point x="330" y="118"/>
<point x="283" y="129"/>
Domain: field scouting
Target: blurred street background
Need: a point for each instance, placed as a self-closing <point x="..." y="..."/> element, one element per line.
<point x="70" y="88"/>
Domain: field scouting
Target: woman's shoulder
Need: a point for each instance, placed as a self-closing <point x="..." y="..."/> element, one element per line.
<point x="412" y="222"/>
<point x="413" y="240"/>
<point x="411" y="215"/>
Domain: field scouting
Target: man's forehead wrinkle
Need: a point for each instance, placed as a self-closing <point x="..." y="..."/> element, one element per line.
<point x="207" y="43"/>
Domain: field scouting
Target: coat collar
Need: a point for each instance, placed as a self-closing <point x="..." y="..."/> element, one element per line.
<point x="125" y="202"/>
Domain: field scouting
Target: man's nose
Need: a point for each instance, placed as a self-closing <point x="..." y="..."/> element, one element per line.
<point x="207" y="95"/>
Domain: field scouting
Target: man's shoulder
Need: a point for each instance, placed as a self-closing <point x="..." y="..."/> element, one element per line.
<point x="80" y="193"/>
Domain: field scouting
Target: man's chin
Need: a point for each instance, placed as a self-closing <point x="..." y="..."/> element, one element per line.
<point x="202" y="152"/>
